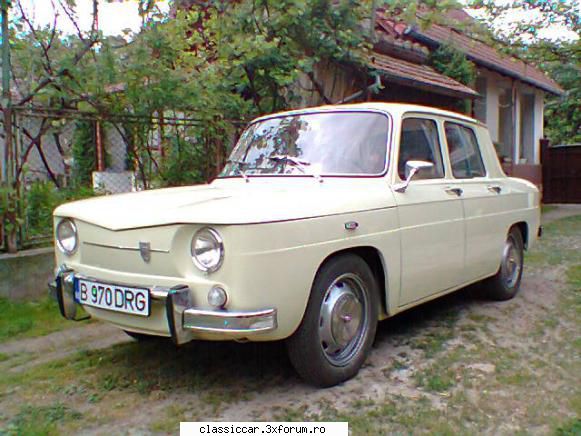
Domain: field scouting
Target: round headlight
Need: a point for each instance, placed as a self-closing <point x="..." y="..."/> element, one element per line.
<point x="207" y="250"/>
<point x="66" y="236"/>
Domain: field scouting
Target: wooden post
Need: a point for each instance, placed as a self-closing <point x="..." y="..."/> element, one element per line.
<point x="10" y="222"/>
<point x="99" y="145"/>
<point x="161" y="131"/>
<point x="545" y="166"/>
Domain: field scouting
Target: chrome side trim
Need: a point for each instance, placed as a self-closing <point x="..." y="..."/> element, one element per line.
<point x="230" y="322"/>
<point x="123" y="247"/>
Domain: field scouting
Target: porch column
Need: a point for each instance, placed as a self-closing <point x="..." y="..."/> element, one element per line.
<point x="492" y="107"/>
<point x="516" y="123"/>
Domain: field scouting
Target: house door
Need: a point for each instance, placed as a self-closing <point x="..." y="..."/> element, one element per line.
<point x="430" y="216"/>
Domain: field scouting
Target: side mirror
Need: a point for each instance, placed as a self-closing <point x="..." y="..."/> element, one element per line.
<point x="412" y="167"/>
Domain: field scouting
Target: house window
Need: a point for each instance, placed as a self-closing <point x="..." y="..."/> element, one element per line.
<point x="527" y="128"/>
<point x="505" y="144"/>
<point x="480" y="103"/>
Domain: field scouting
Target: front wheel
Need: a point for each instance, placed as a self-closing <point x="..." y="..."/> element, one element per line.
<point x="339" y="324"/>
<point x="506" y="283"/>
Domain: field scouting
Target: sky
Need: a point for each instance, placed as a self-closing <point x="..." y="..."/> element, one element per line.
<point x="117" y="15"/>
<point x="504" y="23"/>
<point x="114" y="16"/>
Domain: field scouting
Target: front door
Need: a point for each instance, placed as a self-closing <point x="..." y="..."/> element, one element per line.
<point x="430" y="216"/>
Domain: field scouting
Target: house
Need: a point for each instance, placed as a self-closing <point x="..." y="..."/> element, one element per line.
<point x="508" y="94"/>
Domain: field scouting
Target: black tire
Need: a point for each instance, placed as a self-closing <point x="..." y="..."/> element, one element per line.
<point x="344" y="290"/>
<point x="142" y="337"/>
<point x="506" y="283"/>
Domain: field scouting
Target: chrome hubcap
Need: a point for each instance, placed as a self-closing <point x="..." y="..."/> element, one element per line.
<point x="511" y="262"/>
<point x="342" y="321"/>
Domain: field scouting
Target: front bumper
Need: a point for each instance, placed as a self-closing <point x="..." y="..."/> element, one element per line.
<point x="183" y="318"/>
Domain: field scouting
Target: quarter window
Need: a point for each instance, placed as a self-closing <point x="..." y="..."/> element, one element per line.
<point x="419" y="141"/>
<point x="464" y="152"/>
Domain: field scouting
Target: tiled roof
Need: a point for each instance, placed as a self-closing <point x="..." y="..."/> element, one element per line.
<point x="488" y="57"/>
<point x="419" y="76"/>
<point x="477" y="51"/>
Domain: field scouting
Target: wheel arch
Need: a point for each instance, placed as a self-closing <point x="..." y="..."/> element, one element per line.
<point x="524" y="231"/>
<point x="374" y="259"/>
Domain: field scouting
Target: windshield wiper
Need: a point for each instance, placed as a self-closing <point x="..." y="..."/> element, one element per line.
<point x="297" y="163"/>
<point x="239" y="164"/>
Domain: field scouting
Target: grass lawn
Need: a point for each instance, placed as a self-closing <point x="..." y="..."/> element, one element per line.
<point x="30" y="318"/>
<point x="465" y="366"/>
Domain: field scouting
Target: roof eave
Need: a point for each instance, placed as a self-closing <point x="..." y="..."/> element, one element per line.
<point x="435" y="43"/>
<point x="428" y="87"/>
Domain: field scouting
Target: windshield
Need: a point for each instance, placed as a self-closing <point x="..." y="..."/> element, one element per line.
<point x="335" y="143"/>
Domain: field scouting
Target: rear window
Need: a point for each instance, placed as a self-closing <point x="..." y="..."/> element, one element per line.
<point x="464" y="151"/>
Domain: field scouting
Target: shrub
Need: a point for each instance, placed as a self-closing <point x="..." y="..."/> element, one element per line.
<point x="84" y="153"/>
<point x="184" y="164"/>
<point x="42" y="198"/>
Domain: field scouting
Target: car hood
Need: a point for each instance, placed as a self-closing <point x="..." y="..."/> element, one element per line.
<point x="232" y="201"/>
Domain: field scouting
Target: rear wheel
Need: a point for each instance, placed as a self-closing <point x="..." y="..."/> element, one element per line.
<point x="339" y="324"/>
<point x="506" y="283"/>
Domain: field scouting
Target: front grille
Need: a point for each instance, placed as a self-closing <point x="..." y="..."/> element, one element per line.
<point x="120" y="250"/>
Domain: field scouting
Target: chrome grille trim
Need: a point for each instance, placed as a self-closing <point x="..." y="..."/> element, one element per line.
<point x="123" y="247"/>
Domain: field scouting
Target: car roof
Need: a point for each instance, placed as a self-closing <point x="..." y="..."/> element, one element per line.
<point x="395" y="109"/>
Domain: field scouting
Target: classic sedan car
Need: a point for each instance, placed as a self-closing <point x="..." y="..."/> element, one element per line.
<point x="323" y="222"/>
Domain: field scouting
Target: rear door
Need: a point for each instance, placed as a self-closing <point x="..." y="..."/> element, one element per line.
<point x="483" y="199"/>
<point x="430" y="216"/>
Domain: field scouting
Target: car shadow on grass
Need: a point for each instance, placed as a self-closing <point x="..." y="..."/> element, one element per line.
<point x="226" y="370"/>
<point x="231" y="370"/>
<point x="440" y="314"/>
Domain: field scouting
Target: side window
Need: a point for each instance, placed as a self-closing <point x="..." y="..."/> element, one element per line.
<point x="464" y="151"/>
<point x="419" y="141"/>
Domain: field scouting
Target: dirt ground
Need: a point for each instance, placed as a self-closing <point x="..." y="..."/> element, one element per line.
<point x="461" y="364"/>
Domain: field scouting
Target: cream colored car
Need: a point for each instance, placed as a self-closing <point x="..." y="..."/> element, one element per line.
<point x="324" y="221"/>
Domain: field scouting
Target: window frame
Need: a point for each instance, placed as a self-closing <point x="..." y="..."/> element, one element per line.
<point x="443" y="155"/>
<point x="478" y="149"/>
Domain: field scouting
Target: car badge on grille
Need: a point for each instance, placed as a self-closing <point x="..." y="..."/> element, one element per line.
<point x="145" y="251"/>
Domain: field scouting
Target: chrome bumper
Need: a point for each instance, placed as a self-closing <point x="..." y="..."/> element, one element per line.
<point x="184" y="320"/>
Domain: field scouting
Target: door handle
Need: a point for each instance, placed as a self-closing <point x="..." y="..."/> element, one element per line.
<point x="455" y="191"/>
<point x="496" y="189"/>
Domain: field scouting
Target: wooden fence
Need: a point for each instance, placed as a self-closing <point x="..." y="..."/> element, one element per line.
<point x="561" y="173"/>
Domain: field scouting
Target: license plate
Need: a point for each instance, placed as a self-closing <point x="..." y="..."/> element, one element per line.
<point x="117" y="298"/>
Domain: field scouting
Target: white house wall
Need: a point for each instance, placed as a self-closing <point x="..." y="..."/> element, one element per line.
<point x="494" y="84"/>
<point x="491" y="103"/>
